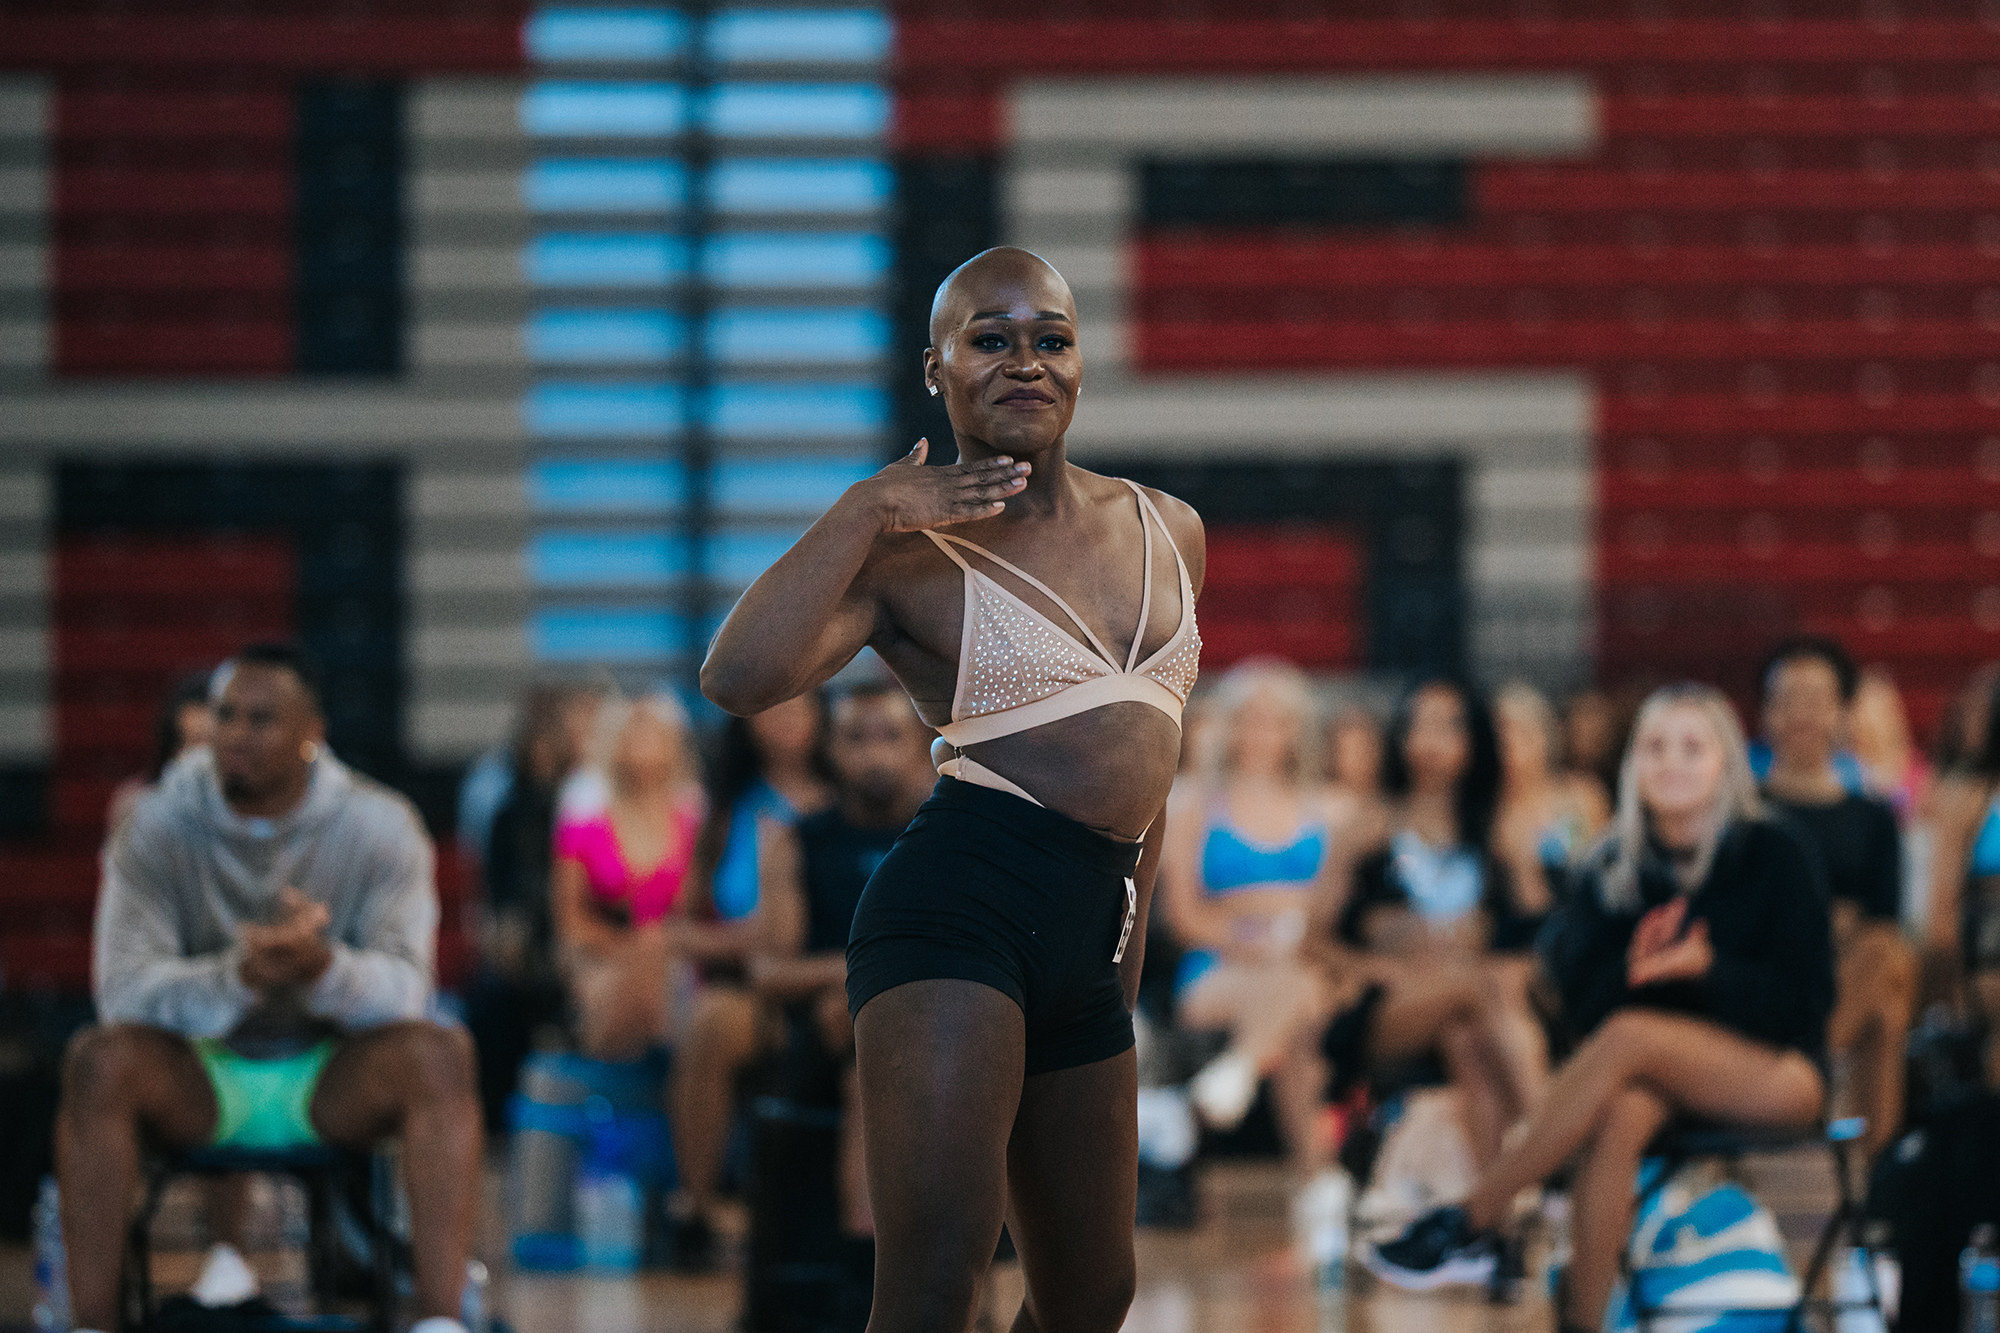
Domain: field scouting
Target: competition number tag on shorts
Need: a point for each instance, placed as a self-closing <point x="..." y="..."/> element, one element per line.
<point x="1131" y="915"/>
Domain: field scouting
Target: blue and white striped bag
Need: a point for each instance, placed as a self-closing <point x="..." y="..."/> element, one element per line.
<point x="1702" y="1243"/>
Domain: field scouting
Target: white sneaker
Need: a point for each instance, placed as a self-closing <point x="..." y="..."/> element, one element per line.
<point x="437" y="1323"/>
<point x="225" y="1279"/>
<point x="1224" y="1090"/>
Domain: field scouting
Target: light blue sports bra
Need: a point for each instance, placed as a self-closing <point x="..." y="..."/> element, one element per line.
<point x="1986" y="847"/>
<point x="1230" y="861"/>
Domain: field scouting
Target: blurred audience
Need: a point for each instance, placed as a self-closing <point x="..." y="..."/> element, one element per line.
<point x="1549" y="816"/>
<point x="185" y="720"/>
<point x="1426" y="930"/>
<point x="813" y="873"/>
<point x="1809" y="690"/>
<point x="1248" y="840"/>
<point x="1593" y="727"/>
<point x="1696" y="955"/>
<point x="618" y="870"/>
<point x="1878" y="732"/>
<point x="263" y="967"/>
<point x="1962" y="933"/>
<point x="518" y="988"/>
<point x="1354" y="755"/>
<point x="770" y="771"/>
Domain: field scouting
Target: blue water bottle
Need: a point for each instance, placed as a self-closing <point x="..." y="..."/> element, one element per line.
<point x="1979" y="1283"/>
<point x="51" y="1268"/>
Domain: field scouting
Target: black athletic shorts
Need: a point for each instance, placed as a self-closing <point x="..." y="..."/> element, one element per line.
<point x="984" y="886"/>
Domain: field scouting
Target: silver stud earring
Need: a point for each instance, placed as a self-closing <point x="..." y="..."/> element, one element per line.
<point x="933" y="389"/>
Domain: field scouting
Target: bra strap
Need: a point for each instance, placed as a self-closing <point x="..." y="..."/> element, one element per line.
<point x="1145" y="577"/>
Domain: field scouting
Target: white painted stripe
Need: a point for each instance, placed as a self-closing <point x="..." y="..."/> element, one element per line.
<point x="445" y="646"/>
<point x="1224" y="414"/>
<point x="498" y="570"/>
<point x="24" y="106"/>
<point x="266" y="417"/>
<point x="24" y="344"/>
<point x="1090" y="270"/>
<point x="24" y="191"/>
<point x="25" y="731"/>
<point x="442" y="730"/>
<point x="442" y="346"/>
<point x="465" y="268"/>
<point x="445" y="495"/>
<point x="24" y="573"/>
<point x="435" y="192"/>
<point x="1501" y="492"/>
<point x="458" y="109"/>
<point x="24" y="648"/>
<point x="1487" y="115"/>
<point x="1505" y="566"/>
<point x="24" y="268"/>
<point x="1047" y="196"/>
<point x="25" y="496"/>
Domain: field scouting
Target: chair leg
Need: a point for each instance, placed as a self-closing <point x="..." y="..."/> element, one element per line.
<point x="138" y="1277"/>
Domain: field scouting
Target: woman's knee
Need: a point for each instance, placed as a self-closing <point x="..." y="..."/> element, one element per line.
<point x="1096" y="1306"/>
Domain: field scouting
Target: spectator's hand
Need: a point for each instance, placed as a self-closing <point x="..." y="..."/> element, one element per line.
<point x="1661" y="951"/>
<point x="293" y="950"/>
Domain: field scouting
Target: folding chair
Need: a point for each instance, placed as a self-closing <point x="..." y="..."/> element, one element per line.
<point x="1693" y="1141"/>
<point x="323" y="1172"/>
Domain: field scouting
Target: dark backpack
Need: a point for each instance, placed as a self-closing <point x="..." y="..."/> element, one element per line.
<point x="1933" y="1186"/>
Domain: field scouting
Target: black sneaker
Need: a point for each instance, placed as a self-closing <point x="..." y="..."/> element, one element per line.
<point x="1439" y="1249"/>
<point x="1510" y="1270"/>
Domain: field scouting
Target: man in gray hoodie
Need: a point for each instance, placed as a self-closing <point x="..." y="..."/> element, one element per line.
<point x="263" y="968"/>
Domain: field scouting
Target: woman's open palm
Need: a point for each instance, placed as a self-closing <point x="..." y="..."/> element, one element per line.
<point x="914" y="497"/>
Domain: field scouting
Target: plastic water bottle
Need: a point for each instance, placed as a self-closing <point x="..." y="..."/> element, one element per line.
<point x="1979" y="1282"/>
<point x="610" y="1210"/>
<point x="1320" y="1219"/>
<point x="472" y="1307"/>
<point x="51" y="1268"/>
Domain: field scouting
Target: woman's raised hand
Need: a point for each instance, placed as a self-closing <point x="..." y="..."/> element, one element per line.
<point x="910" y="497"/>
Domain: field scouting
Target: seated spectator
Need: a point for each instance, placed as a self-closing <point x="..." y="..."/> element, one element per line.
<point x="771" y="770"/>
<point x="1427" y="930"/>
<point x="1354" y="755"/>
<point x="1879" y="732"/>
<point x="263" y="965"/>
<point x="619" y="868"/>
<point x="1962" y="933"/>
<point x="186" y="720"/>
<point x="1248" y="839"/>
<point x="1809" y="685"/>
<point x="1593" y="726"/>
<point x="1695" y="953"/>
<point x="813" y="875"/>
<point x="1548" y="815"/>
<point x="518" y="988"/>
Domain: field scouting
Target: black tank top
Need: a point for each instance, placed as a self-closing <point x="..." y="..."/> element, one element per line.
<point x="838" y="858"/>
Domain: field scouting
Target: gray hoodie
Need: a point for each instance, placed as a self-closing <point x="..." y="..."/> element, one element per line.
<point x="184" y="871"/>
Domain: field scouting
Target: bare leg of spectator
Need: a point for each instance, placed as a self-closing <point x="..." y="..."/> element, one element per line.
<point x="121" y="1085"/>
<point x="1878" y="981"/>
<point x="721" y="1039"/>
<point x="623" y="1007"/>
<point x="226" y="1201"/>
<point x="1444" y="1012"/>
<point x="1601" y="1193"/>
<point x="1514" y="1035"/>
<point x="1298" y="1090"/>
<point x="415" y="1081"/>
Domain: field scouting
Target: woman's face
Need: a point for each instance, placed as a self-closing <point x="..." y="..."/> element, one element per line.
<point x="1004" y="355"/>
<point x="1355" y="748"/>
<point x="1438" y="748"/>
<point x="648" y="750"/>
<point x="1679" y="762"/>
<point x="1265" y="739"/>
<point x="1524" y="742"/>
<point x="786" y="734"/>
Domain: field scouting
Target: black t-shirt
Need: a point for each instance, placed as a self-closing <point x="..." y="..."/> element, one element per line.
<point x="837" y="858"/>
<point x="1859" y="847"/>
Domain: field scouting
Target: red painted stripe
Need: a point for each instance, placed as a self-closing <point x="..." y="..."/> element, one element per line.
<point x="948" y="122"/>
<point x="1314" y="642"/>
<point x="406" y="45"/>
<point x="1010" y="48"/>
<point x="1221" y="345"/>
<point x="1265" y="556"/>
<point x="1681" y="563"/>
<point x="1804" y="117"/>
<point x="98" y="269"/>
<point x="140" y="192"/>
<point x="156" y="567"/>
<point x="1234" y="262"/>
<point x="219" y="348"/>
<point x="1712" y="490"/>
<point x="148" y="114"/>
<point x="1797" y="414"/>
<point x="1549" y="188"/>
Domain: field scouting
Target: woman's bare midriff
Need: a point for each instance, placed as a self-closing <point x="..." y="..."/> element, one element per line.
<point x="1108" y="769"/>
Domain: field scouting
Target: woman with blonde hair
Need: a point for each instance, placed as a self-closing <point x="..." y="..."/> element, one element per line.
<point x="618" y="871"/>
<point x="1696" y="954"/>
<point x="1248" y="838"/>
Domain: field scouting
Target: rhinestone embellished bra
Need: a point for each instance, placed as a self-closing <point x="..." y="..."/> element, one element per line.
<point x="1018" y="669"/>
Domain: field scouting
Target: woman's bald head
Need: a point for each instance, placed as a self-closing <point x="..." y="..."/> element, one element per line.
<point x="1004" y="279"/>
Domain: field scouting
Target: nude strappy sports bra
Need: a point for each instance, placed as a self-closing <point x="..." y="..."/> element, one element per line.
<point x="1018" y="669"/>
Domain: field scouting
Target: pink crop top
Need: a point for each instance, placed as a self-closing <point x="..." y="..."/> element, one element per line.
<point x="591" y="841"/>
<point x="1018" y="669"/>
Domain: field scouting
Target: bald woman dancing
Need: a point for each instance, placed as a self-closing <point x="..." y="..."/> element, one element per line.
<point x="1042" y="619"/>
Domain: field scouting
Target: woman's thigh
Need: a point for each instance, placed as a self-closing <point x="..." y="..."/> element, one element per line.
<point x="1415" y="1008"/>
<point x="940" y="1066"/>
<point x="1072" y="1169"/>
<point x="1702" y="1068"/>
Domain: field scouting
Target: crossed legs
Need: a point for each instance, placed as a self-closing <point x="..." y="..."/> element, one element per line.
<point x="126" y="1088"/>
<point x="1636" y="1072"/>
<point x="958" y="1140"/>
<point x="1871" y="1022"/>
